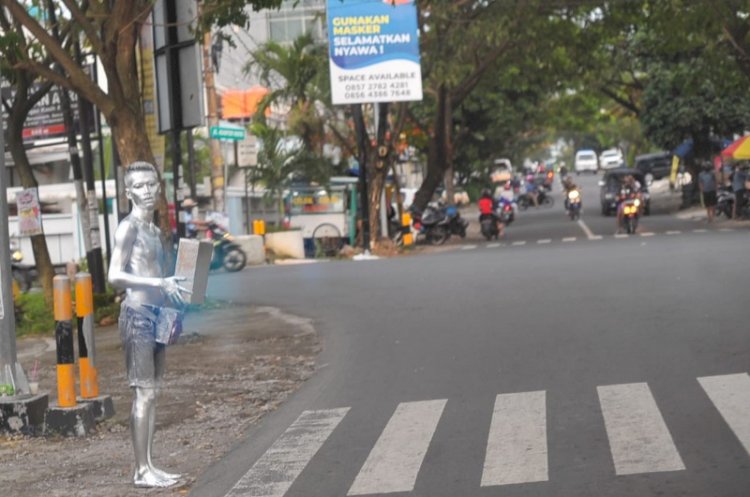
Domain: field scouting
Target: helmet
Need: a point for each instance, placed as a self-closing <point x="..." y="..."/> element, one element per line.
<point x="486" y="192"/>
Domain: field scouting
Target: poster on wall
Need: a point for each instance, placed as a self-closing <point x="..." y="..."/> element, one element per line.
<point x="29" y="212"/>
<point x="373" y="51"/>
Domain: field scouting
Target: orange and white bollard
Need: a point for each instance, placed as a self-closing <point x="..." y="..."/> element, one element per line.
<point x="86" y="348"/>
<point x="63" y="310"/>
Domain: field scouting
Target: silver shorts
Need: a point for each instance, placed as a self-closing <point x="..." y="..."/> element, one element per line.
<point x="144" y="358"/>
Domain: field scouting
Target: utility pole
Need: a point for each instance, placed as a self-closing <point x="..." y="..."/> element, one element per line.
<point x="11" y="372"/>
<point x="217" y="162"/>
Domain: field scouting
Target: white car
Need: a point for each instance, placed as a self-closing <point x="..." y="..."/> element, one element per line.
<point x="585" y="160"/>
<point x="610" y="159"/>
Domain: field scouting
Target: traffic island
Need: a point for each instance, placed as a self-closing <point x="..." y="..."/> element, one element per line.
<point x="76" y="421"/>
<point x="23" y="414"/>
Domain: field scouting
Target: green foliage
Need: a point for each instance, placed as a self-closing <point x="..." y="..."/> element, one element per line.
<point x="35" y="316"/>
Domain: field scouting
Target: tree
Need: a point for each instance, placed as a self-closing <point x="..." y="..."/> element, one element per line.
<point x="26" y="94"/>
<point x="111" y="30"/>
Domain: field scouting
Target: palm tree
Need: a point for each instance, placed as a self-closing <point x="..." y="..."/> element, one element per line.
<point x="294" y="72"/>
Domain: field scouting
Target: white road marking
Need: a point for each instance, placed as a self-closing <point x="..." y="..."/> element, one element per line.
<point x="731" y="396"/>
<point x="639" y="439"/>
<point x="276" y="470"/>
<point x="394" y="462"/>
<point x="493" y="245"/>
<point x="517" y="444"/>
<point x="569" y="239"/>
<point x="596" y="237"/>
<point x="468" y="247"/>
<point x="674" y="232"/>
<point x="621" y="235"/>
<point x="700" y="231"/>
<point x="726" y="230"/>
<point x="544" y="241"/>
<point x="647" y="234"/>
<point x="519" y="243"/>
<point x="587" y="231"/>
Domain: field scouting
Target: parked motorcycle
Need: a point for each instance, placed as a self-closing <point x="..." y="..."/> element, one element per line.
<point x="456" y="223"/>
<point x="437" y="223"/>
<point x="227" y="253"/>
<point x="724" y="202"/>
<point x="574" y="204"/>
<point x="23" y="275"/>
<point x="631" y="208"/>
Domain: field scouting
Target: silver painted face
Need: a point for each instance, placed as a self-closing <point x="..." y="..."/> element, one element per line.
<point x="142" y="189"/>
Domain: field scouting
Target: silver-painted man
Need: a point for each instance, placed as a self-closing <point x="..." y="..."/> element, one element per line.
<point x="139" y="265"/>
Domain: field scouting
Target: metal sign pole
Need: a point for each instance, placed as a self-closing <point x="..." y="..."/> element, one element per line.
<point x="10" y="371"/>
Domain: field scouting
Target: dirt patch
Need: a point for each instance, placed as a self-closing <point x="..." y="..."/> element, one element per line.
<point x="230" y="368"/>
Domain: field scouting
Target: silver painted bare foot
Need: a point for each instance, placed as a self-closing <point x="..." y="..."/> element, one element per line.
<point x="151" y="479"/>
<point x="164" y="474"/>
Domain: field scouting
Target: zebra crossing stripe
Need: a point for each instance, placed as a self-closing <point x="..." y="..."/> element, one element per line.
<point x="731" y="396"/>
<point x="639" y="439"/>
<point x="276" y="470"/>
<point x="394" y="462"/>
<point x="517" y="444"/>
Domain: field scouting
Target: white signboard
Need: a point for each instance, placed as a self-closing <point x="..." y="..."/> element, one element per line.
<point x="29" y="212"/>
<point x="374" y="51"/>
<point x="247" y="152"/>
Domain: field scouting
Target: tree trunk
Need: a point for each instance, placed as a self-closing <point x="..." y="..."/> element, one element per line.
<point x="436" y="159"/>
<point x="129" y="134"/>
<point x="378" y="162"/>
<point x="42" y="259"/>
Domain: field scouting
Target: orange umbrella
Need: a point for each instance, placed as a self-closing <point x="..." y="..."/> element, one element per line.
<point x="738" y="149"/>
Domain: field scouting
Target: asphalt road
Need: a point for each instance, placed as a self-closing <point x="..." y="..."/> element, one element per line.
<point x="581" y="365"/>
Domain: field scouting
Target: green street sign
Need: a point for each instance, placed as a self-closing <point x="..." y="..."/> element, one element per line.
<point x="219" y="133"/>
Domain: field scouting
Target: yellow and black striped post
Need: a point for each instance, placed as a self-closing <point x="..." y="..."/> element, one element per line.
<point x="86" y="347"/>
<point x="407" y="237"/>
<point x="259" y="227"/>
<point x="66" y="391"/>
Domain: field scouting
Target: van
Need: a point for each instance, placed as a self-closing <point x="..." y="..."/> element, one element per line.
<point x="585" y="160"/>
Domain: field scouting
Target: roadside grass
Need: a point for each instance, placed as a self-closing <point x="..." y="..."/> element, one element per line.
<point x="35" y="317"/>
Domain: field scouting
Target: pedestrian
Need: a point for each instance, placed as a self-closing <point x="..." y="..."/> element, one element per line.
<point x="738" y="187"/>
<point x="707" y="186"/>
<point x="139" y="266"/>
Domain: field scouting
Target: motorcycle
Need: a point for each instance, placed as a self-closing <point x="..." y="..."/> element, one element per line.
<point x="543" y="198"/>
<point x="489" y="227"/>
<point x="724" y="202"/>
<point x="227" y="253"/>
<point x="434" y="225"/>
<point x="574" y="204"/>
<point x="23" y="276"/>
<point x="506" y="211"/>
<point x="456" y="223"/>
<point x="631" y="208"/>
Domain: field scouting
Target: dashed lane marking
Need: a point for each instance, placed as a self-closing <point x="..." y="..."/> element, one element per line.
<point x="674" y="232"/>
<point x="569" y="239"/>
<point x="700" y="231"/>
<point x="544" y="241"/>
<point x="519" y="243"/>
<point x="620" y="236"/>
<point x="648" y="234"/>
<point x="493" y="245"/>
<point x="468" y="247"/>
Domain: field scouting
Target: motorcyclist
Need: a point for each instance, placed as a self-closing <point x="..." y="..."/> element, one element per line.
<point x="629" y="189"/>
<point x="488" y="209"/>
<point x="568" y="186"/>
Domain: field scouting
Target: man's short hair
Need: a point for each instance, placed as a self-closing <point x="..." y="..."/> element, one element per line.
<point x="137" y="166"/>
